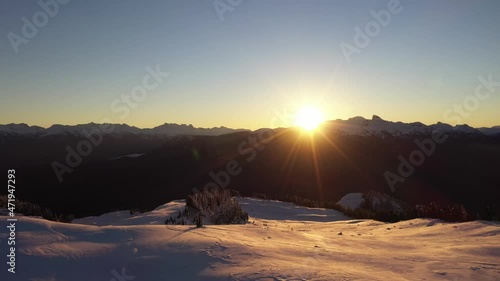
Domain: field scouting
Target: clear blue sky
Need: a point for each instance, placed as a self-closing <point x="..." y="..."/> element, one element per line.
<point x="265" y="56"/>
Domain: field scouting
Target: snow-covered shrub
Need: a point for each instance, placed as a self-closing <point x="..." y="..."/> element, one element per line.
<point x="217" y="205"/>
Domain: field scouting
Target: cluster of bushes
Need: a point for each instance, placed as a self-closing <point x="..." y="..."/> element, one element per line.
<point x="447" y="213"/>
<point x="136" y="211"/>
<point x="215" y="204"/>
<point x="30" y="209"/>
<point x="218" y="205"/>
<point x="182" y="218"/>
<point x="490" y="213"/>
<point x="383" y="207"/>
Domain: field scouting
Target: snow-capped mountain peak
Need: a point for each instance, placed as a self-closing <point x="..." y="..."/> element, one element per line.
<point x="380" y="127"/>
<point x="376" y="126"/>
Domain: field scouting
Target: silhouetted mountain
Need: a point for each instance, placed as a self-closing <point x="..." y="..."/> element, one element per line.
<point x="493" y="131"/>
<point x="353" y="126"/>
<point x="144" y="170"/>
<point x="111" y="129"/>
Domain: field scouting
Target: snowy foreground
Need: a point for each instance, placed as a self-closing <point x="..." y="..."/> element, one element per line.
<point x="281" y="242"/>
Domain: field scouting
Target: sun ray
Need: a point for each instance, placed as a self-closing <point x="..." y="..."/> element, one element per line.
<point x="291" y="154"/>
<point x="334" y="146"/>
<point x="317" y="173"/>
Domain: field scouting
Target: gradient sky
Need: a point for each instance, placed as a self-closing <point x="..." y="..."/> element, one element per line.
<point x="264" y="57"/>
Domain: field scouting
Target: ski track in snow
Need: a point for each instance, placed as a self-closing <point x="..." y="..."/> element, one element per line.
<point x="281" y="242"/>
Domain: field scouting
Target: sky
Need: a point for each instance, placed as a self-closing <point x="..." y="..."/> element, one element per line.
<point x="246" y="64"/>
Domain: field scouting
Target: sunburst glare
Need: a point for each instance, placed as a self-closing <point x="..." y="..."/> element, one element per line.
<point x="308" y="118"/>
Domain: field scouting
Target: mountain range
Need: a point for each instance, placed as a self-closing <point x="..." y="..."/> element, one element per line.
<point x="353" y="126"/>
<point x="142" y="168"/>
<point x="167" y="129"/>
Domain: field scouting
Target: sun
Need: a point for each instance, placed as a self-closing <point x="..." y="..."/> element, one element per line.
<point x="308" y="118"/>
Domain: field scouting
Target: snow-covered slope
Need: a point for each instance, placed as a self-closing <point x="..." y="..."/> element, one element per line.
<point x="276" y="210"/>
<point x="157" y="216"/>
<point x="351" y="200"/>
<point x="281" y="242"/>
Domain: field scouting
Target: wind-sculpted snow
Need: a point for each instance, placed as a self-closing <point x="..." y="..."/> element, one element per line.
<point x="276" y="210"/>
<point x="277" y="244"/>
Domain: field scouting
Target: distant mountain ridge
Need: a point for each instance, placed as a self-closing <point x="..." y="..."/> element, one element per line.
<point x="116" y="129"/>
<point x="345" y="156"/>
<point x="379" y="127"/>
<point x="359" y="126"/>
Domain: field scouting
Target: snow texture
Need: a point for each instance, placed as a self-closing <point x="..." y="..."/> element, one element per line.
<point x="281" y="242"/>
